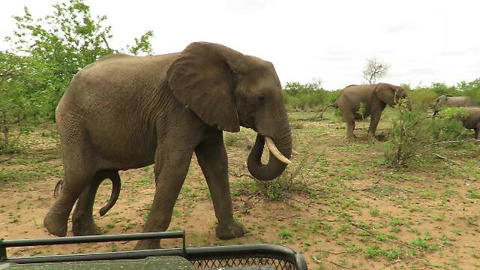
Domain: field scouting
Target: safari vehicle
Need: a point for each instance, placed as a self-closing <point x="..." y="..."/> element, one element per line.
<point x="246" y="257"/>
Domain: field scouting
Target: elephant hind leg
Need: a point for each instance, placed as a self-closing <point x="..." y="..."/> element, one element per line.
<point x="57" y="218"/>
<point x="349" y="118"/>
<point x="79" y="173"/>
<point x="82" y="218"/>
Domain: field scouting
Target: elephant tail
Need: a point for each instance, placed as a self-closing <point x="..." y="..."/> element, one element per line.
<point x="116" y="186"/>
<point x="99" y="177"/>
<point x="58" y="188"/>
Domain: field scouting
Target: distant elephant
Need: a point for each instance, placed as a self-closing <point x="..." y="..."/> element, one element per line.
<point x="125" y="112"/>
<point x="374" y="97"/>
<point x="451" y="101"/>
<point x="472" y="121"/>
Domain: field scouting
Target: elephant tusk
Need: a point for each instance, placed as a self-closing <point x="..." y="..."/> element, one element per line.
<point x="271" y="146"/>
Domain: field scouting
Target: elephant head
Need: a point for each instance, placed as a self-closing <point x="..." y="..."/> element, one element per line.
<point x="441" y="100"/>
<point x="391" y="94"/>
<point x="227" y="89"/>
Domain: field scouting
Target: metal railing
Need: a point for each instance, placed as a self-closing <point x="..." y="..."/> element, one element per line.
<point x="274" y="256"/>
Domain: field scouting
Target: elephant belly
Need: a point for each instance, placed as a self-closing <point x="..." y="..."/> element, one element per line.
<point x="123" y="149"/>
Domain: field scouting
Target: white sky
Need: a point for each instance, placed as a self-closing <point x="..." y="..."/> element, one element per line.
<point x="424" y="41"/>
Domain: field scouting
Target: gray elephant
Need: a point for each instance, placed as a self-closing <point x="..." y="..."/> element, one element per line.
<point x="125" y="112"/>
<point x="451" y="101"/>
<point x="374" y="98"/>
<point x="472" y="121"/>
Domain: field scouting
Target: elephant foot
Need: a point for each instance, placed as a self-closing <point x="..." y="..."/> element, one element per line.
<point x="56" y="224"/>
<point x="230" y="231"/>
<point x="352" y="138"/>
<point x="148" y="244"/>
<point x="80" y="228"/>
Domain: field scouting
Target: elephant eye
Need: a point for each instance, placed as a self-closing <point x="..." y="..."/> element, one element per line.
<point x="261" y="99"/>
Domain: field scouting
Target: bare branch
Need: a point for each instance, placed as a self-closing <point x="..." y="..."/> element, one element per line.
<point x="374" y="70"/>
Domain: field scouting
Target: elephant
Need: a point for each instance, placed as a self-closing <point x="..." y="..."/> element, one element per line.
<point x="472" y="121"/>
<point x="374" y="98"/>
<point x="123" y="112"/>
<point x="451" y="101"/>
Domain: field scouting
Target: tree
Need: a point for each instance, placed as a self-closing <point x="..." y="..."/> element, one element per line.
<point x="17" y="102"/>
<point x="374" y="70"/>
<point x="305" y="96"/>
<point x="46" y="53"/>
<point x="142" y="44"/>
<point x="64" y="43"/>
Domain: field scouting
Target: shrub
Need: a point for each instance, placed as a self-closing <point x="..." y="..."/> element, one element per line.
<point x="292" y="179"/>
<point x="408" y="135"/>
<point x="413" y="134"/>
<point x="449" y="126"/>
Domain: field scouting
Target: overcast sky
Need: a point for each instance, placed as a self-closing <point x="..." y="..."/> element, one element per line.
<point x="422" y="41"/>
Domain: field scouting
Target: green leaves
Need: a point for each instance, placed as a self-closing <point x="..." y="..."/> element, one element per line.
<point x="142" y="45"/>
<point x="45" y="54"/>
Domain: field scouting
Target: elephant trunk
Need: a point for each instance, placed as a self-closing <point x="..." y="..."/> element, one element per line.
<point x="275" y="166"/>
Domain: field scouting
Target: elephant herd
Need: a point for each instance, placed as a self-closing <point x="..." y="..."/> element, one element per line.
<point x="375" y="97"/>
<point x="124" y="112"/>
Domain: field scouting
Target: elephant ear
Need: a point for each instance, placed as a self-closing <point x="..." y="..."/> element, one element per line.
<point x="386" y="93"/>
<point x="202" y="77"/>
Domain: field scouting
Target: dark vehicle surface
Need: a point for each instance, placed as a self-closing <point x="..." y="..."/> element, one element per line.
<point x="245" y="257"/>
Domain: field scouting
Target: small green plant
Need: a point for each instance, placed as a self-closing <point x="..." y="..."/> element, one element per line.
<point x="395" y="229"/>
<point x="393" y="254"/>
<point x="374" y="252"/>
<point x="473" y="194"/>
<point x="374" y="212"/>
<point x="423" y="244"/>
<point x="361" y="110"/>
<point x="286" y="235"/>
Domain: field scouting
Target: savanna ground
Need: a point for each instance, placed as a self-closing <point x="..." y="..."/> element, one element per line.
<point x="338" y="204"/>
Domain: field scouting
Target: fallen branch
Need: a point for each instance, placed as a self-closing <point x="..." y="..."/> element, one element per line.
<point x="456" y="141"/>
<point x="338" y="265"/>
<point x="240" y="175"/>
<point x="315" y="259"/>
<point x="447" y="159"/>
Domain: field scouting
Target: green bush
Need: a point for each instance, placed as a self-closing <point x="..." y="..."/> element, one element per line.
<point x="414" y="134"/>
<point x="307" y="97"/>
<point x="449" y="126"/>
<point x="408" y="135"/>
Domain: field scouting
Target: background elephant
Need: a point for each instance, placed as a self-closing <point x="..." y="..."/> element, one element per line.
<point x="374" y="97"/>
<point x="451" y="101"/>
<point x="125" y="112"/>
<point x="473" y="120"/>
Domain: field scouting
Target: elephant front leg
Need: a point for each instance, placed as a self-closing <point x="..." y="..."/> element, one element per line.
<point x="213" y="160"/>
<point x="171" y="168"/>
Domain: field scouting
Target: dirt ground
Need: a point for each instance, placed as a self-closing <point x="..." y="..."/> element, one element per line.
<point x="338" y="204"/>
